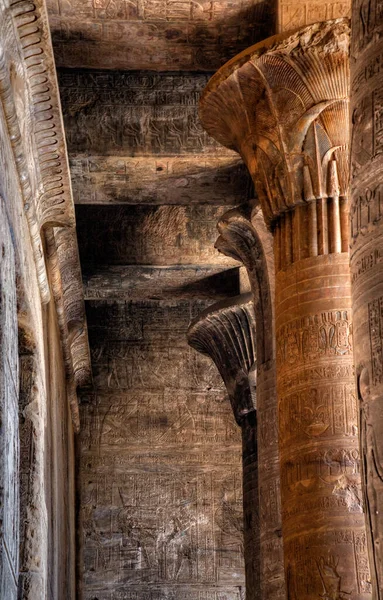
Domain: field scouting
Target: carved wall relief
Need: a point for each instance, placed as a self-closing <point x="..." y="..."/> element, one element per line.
<point x="293" y="91"/>
<point x="9" y="392"/>
<point x="226" y="333"/>
<point x="160" y="456"/>
<point x="366" y="245"/>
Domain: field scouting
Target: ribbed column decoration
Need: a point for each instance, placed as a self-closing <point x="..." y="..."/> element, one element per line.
<point x="284" y="106"/>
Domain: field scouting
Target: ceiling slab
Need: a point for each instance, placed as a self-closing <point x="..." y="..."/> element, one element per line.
<point x="156" y="34"/>
<point x="134" y="113"/>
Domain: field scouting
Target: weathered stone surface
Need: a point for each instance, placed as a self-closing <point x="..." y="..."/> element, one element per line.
<point x="149" y="235"/>
<point x="36" y="203"/>
<point x="161" y="483"/>
<point x="226" y="332"/>
<point x="366" y="245"/>
<point x="293" y="90"/>
<point x="243" y="235"/>
<point x="146" y="283"/>
<point x="298" y="13"/>
<point x="9" y="430"/>
<point x="182" y="179"/>
<point x="133" y="113"/>
<point x="162" y="35"/>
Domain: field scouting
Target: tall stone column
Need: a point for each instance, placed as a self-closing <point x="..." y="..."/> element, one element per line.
<point x="366" y="245"/>
<point x="283" y="104"/>
<point x="244" y="236"/>
<point x="226" y="333"/>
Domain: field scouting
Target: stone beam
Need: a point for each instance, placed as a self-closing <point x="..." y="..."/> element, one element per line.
<point x="133" y="282"/>
<point x="243" y="236"/>
<point x="226" y="333"/>
<point x="192" y="179"/>
<point x="283" y="105"/>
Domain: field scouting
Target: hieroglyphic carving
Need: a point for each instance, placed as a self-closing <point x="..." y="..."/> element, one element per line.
<point x="303" y="12"/>
<point x="133" y="113"/>
<point x="314" y="337"/>
<point x="283" y="105"/>
<point x="160" y="35"/>
<point x="161" y="488"/>
<point x="366" y="257"/>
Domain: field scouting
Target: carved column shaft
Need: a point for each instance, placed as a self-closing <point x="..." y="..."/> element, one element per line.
<point x="283" y="105"/>
<point x="251" y="504"/>
<point x="226" y="333"/>
<point x="244" y="237"/>
<point x="366" y="259"/>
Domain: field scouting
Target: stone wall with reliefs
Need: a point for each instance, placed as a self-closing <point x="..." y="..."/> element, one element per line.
<point x="42" y="324"/>
<point x="160" y="461"/>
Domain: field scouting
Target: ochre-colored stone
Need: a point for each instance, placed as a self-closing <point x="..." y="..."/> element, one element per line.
<point x="366" y="251"/>
<point x="293" y="92"/>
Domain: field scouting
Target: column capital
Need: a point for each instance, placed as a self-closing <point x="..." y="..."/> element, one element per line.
<point x="226" y="333"/>
<point x="244" y="237"/>
<point x="283" y="105"/>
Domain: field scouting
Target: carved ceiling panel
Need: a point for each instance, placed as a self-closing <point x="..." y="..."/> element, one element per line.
<point x="156" y="34"/>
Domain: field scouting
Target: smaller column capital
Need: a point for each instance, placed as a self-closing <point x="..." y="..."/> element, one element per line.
<point x="226" y="333"/>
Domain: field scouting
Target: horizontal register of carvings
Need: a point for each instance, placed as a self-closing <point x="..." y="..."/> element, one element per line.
<point x="30" y="102"/>
<point x="283" y="105"/>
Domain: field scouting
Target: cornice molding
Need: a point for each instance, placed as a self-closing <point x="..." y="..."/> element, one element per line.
<point x="30" y="101"/>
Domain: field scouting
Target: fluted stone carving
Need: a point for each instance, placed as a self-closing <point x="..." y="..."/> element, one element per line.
<point x="34" y="141"/>
<point x="283" y="105"/>
<point x="226" y="333"/>
<point x="243" y="235"/>
<point x="366" y="246"/>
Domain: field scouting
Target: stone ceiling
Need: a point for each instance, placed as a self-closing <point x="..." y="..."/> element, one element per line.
<point x="156" y="34"/>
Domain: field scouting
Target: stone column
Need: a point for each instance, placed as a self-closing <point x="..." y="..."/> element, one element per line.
<point x="243" y="236"/>
<point x="226" y="333"/>
<point x="366" y="245"/>
<point x="283" y="104"/>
